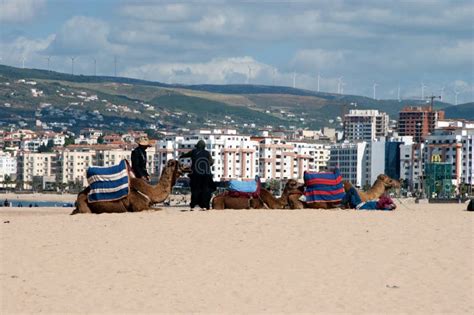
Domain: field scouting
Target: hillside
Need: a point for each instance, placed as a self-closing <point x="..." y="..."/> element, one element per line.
<point x="118" y="103"/>
<point x="460" y="111"/>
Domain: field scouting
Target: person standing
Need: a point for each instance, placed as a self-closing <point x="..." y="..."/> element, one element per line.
<point x="202" y="183"/>
<point x="139" y="160"/>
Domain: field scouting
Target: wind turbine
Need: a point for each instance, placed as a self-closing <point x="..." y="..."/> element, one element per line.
<point x="23" y="58"/>
<point x="423" y="86"/>
<point x="456" y="93"/>
<point x="374" y="87"/>
<point x="250" y="74"/>
<point x="398" y="94"/>
<point x="95" y="66"/>
<point x="442" y="93"/>
<point x="294" y="80"/>
<point x="48" y="59"/>
<point x="115" y="66"/>
<point x="273" y="76"/>
<point x="72" y="65"/>
<point x="339" y="85"/>
<point x="319" y="78"/>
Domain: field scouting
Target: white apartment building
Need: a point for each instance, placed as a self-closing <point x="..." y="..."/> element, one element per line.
<point x="350" y="158"/>
<point x="281" y="159"/>
<point x="412" y="165"/>
<point x="235" y="156"/>
<point x="365" y="125"/>
<point x="373" y="162"/>
<point x="244" y="157"/>
<point x="7" y="167"/>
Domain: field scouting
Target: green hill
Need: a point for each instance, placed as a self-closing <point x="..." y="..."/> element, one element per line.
<point x="130" y="103"/>
<point x="465" y="111"/>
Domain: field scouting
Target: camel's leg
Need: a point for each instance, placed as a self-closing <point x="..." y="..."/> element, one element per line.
<point x="295" y="202"/>
<point x="218" y="202"/>
<point x="81" y="202"/>
<point x="138" y="203"/>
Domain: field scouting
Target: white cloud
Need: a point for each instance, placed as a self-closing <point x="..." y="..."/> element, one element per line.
<point x="461" y="53"/>
<point x="215" y="71"/>
<point x="83" y="35"/>
<point x="320" y="59"/>
<point x="157" y="12"/>
<point x="22" y="47"/>
<point x="19" y="10"/>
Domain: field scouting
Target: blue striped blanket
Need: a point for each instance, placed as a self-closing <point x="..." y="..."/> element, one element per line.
<point x="323" y="187"/>
<point x="108" y="183"/>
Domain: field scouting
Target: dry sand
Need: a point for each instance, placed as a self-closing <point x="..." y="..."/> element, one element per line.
<point x="417" y="259"/>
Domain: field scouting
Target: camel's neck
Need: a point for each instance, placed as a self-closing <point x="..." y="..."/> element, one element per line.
<point x="162" y="190"/>
<point x="283" y="200"/>
<point x="272" y="202"/>
<point x="377" y="190"/>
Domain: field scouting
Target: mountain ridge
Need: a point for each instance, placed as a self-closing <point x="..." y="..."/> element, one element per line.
<point x="172" y="106"/>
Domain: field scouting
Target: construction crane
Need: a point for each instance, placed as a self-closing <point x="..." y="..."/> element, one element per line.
<point x="432" y="98"/>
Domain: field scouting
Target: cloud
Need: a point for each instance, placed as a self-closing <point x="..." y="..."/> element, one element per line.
<point x="82" y="35"/>
<point x="216" y="41"/>
<point x="157" y="12"/>
<point x="30" y="49"/>
<point x="19" y="10"/>
<point x="215" y="71"/>
<point x="317" y="59"/>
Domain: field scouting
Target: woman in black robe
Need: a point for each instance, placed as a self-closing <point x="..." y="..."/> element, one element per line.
<point x="202" y="183"/>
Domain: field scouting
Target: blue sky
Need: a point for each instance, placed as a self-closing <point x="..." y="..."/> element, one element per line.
<point x="355" y="43"/>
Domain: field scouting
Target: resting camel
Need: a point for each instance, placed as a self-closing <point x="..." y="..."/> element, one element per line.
<point x="266" y="200"/>
<point x="141" y="197"/>
<point x="382" y="183"/>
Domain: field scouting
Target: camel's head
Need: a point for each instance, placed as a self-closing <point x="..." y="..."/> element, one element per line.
<point x="176" y="168"/>
<point x="388" y="182"/>
<point x="292" y="185"/>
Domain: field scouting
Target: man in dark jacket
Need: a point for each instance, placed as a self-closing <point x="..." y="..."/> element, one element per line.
<point x="202" y="183"/>
<point x="139" y="162"/>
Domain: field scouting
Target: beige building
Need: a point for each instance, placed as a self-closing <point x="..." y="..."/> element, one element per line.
<point x="34" y="167"/>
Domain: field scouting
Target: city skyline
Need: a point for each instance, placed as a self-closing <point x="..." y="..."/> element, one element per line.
<point x="421" y="48"/>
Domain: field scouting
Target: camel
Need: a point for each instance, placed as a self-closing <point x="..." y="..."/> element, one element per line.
<point x="266" y="200"/>
<point x="141" y="197"/>
<point x="382" y="183"/>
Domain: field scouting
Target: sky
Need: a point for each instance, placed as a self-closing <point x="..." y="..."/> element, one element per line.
<point x="350" y="45"/>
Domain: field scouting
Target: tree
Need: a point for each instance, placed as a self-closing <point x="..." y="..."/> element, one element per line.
<point x="100" y="140"/>
<point x="69" y="140"/>
<point x="46" y="148"/>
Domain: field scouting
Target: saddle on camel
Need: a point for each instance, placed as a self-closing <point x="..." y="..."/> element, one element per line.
<point x="116" y="189"/>
<point x="240" y="195"/>
<point x="250" y="195"/>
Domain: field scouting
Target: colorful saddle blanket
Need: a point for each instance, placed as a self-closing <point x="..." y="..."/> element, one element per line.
<point x="323" y="187"/>
<point x="108" y="183"/>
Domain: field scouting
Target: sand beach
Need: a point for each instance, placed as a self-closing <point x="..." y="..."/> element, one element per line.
<point x="417" y="259"/>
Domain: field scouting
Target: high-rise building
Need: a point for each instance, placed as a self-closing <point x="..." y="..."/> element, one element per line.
<point x="365" y="125"/>
<point x="349" y="158"/>
<point x="418" y="121"/>
<point x="454" y="146"/>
